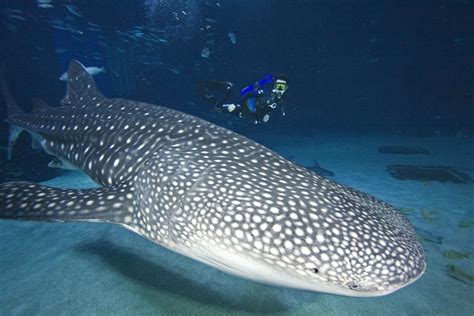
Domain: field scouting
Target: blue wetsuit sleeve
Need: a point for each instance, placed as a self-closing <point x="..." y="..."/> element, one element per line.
<point x="247" y="89"/>
<point x="259" y="85"/>
<point x="264" y="81"/>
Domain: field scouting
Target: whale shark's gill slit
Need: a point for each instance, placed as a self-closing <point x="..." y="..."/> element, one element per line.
<point x="178" y="209"/>
<point x="31" y="201"/>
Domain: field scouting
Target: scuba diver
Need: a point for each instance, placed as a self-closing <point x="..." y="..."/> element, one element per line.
<point x="258" y="99"/>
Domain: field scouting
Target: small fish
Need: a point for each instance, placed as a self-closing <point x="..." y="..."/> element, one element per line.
<point x="69" y="28"/>
<point x="373" y="60"/>
<point x="91" y="70"/>
<point x="45" y="6"/>
<point x="11" y="11"/>
<point x="138" y="34"/>
<point x="428" y="215"/>
<point x="175" y="70"/>
<point x="465" y="223"/>
<point x="428" y="236"/>
<point x="74" y="10"/>
<point x="205" y="52"/>
<point x="11" y="27"/>
<point x="16" y="17"/>
<point x="407" y="210"/>
<point x="320" y="170"/>
<point x="211" y="20"/>
<point x="456" y="273"/>
<point x="361" y="99"/>
<point x="94" y="29"/>
<point x="461" y="39"/>
<point x="454" y="254"/>
<point x="232" y="38"/>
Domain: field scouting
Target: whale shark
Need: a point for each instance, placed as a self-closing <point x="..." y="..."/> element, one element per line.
<point x="210" y="194"/>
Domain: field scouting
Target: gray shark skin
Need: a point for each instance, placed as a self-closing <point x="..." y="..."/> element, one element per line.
<point x="210" y="194"/>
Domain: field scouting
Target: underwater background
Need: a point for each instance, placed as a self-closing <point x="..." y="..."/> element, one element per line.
<point x="381" y="98"/>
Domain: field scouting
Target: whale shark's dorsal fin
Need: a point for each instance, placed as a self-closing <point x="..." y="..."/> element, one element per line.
<point x="81" y="88"/>
<point x="39" y="105"/>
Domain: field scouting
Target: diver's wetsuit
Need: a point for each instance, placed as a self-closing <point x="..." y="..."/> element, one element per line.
<point x="257" y="99"/>
<point x="258" y="105"/>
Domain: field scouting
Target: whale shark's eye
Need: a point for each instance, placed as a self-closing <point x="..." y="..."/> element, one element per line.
<point x="353" y="286"/>
<point x="315" y="270"/>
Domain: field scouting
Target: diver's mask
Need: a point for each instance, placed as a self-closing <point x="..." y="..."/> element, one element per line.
<point x="279" y="87"/>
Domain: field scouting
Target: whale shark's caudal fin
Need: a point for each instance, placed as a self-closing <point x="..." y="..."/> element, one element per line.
<point x="81" y="88"/>
<point x="12" y="108"/>
<point x="31" y="201"/>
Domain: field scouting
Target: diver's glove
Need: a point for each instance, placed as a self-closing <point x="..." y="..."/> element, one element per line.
<point x="230" y="107"/>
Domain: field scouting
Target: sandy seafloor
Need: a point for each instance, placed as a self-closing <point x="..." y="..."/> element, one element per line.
<point x="102" y="269"/>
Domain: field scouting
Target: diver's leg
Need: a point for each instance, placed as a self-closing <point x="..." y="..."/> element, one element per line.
<point x="215" y="92"/>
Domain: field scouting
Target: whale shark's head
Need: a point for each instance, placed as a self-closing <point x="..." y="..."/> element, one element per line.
<point x="271" y="221"/>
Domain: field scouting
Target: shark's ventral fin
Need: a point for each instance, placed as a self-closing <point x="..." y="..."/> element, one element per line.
<point x="32" y="201"/>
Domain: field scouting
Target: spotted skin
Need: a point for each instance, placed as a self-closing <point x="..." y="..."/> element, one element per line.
<point x="215" y="196"/>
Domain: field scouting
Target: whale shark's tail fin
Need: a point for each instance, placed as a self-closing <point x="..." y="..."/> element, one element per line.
<point x="81" y="88"/>
<point x="11" y="108"/>
<point x="31" y="201"/>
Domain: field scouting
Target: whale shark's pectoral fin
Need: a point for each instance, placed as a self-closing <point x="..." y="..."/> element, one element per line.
<point x="35" y="144"/>
<point x="13" y="134"/>
<point x="32" y="201"/>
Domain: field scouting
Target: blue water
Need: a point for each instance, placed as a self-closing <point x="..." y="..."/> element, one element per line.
<point x="360" y="75"/>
